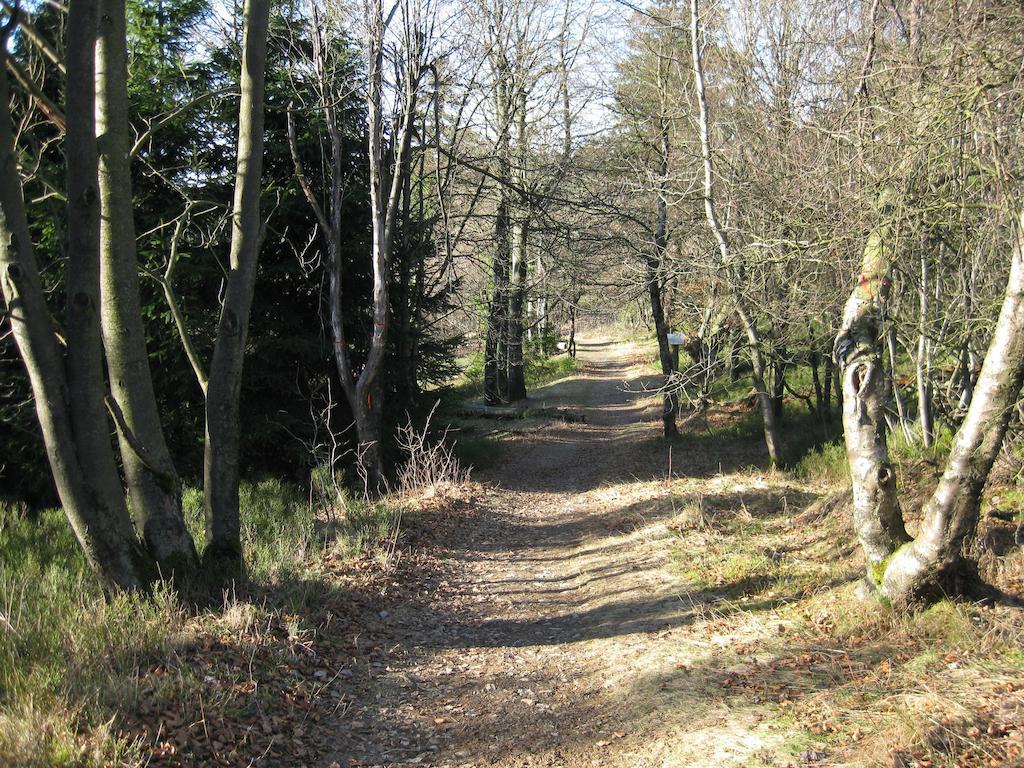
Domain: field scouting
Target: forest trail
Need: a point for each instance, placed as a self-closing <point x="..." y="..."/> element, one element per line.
<point x="556" y="634"/>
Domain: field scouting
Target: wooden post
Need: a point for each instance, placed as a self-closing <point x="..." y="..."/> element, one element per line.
<point x="675" y="341"/>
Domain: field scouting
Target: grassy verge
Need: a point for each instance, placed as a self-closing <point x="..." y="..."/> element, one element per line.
<point x="775" y="570"/>
<point x="87" y="680"/>
<point x="540" y="370"/>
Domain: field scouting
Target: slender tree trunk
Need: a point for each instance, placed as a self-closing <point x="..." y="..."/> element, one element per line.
<point x="772" y="433"/>
<point x="222" y="468"/>
<point x="152" y="479"/>
<point x="779" y="382"/>
<point x="934" y="561"/>
<point x="572" y="331"/>
<point x="96" y="510"/>
<point x="518" y="274"/>
<point x="924" y="385"/>
<point x="496" y="345"/>
<point x="901" y="411"/>
<point x="669" y="400"/>
<point x="827" y="388"/>
<point x="385" y="199"/>
<point x="655" y="287"/>
<point x="814" y="359"/>
<point x="87" y="386"/>
<point x="519" y="259"/>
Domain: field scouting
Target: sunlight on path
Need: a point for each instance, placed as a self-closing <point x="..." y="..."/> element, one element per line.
<point x="550" y="639"/>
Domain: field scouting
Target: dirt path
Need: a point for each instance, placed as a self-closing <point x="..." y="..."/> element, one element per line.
<point x="557" y="634"/>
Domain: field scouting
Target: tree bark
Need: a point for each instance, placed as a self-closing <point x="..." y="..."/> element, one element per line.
<point x="496" y="344"/>
<point x="223" y="435"/>
<point x="858" y="351"/>
<point x="366" y="396"/>
<point x="934" y="560"/>
<point x="518" y="261"/>
<point x="152" y="479"/>
<point x="902" y="570"/>
<point x="96" y="511"/>
<point x="772" y="435"/>
<point x="924" y="385"/>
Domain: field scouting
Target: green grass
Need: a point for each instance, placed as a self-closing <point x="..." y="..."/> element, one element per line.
<point x="70" y="657"/>
<point x="543" y="370"/>
<point x="540" y="370"/>
<point x="67" y="654"/>
<point x="826" y="464"/>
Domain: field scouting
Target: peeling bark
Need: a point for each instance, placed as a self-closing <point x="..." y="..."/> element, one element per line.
<point x="902" y="570"/>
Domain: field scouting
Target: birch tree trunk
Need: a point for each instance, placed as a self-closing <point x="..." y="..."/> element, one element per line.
<point x="221" y="465"/>
<point x="152" y="479"/>
<point x="902" y="570"/>
<point x="772" y="435"/>
<point x="69" y="405"/>
<point x="924" y="384"/>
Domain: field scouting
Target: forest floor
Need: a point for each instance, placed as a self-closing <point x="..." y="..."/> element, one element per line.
<point x="593" y="596"/>
<point x="590" y="606"/>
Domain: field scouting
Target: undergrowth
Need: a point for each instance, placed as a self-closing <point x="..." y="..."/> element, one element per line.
<point x="539" y="370"/>
<point x="72" y="660"/>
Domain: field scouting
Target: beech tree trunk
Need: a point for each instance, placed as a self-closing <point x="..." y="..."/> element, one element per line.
<point x="223" y="435"/>
<point x="68" y="401"/>
<point x="900" y="569"/>
<point x="152" y="479"/>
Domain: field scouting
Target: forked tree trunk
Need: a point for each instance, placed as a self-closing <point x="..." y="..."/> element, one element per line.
<point x="902" y="570"/>
<point x="69" y="409"/>
<point x="152" y="479"/>
<point x="223" y="433"/>
<point x="365" y="394"/>
<point x="772" y="433"/>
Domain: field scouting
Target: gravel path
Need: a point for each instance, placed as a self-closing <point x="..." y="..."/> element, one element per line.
<point x="544" y="639"/>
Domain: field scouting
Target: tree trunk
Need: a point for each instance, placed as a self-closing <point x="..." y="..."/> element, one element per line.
<point x="96" y="511"/>
<point x="924" y="385"/>
<point x="779" y="382"/>
<point x="385" y="199"/>
<point x="903" y="570"/>
<point x="223" y="435"/>
<point x="858" y="350"/>
<point x="152" y="479"/>
<point x="519" y="260"/>
<point x="772" y="435"/>
<point x="87" y="386"/>
<point x="827" y="387"/>
<point x="934" y="560"/>
<point x="668" y="407"/>
<point x="814" y="359"/>
<point x="496" y="345"/>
